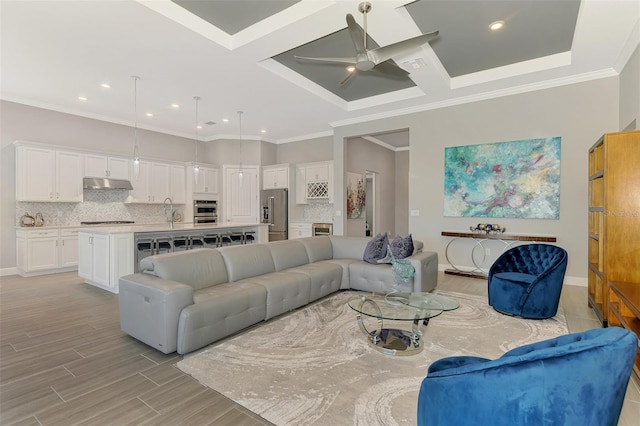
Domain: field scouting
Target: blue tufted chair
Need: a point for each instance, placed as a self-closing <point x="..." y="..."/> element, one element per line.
<point x="575" y="379"/>
<point x="527" y="280"/>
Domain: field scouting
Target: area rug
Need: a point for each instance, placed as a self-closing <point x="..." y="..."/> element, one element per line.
<point x="314" y="366"/>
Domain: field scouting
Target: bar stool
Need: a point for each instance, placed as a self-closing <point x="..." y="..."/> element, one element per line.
<point x="237" y="237"/>
<point x="225" y="239"/>
<point x="212" y="240"/>
<point x="163" y="245"/>
<point x="196" y="241"/>
<point x="249" y="237"/>
<point x="180" y="243"/>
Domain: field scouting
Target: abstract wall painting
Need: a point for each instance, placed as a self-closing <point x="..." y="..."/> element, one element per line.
<point x="356" y="195"/>
<point x="518" y="179"/>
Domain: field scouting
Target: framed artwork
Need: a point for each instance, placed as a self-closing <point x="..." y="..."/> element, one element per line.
<point x="518" y="179"/>
<point x="356" y="195"/>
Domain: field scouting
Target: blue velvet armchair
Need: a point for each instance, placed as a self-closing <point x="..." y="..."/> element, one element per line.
<point x="527" y="280"/>
<point x="575" y="379"/>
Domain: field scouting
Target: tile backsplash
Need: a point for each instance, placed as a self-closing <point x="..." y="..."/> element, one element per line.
<point x="97" y="205"/>
<point x="321" y="212"/>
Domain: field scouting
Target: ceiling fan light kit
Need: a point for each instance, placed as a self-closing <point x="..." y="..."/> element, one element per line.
<point x="378" y="59"/>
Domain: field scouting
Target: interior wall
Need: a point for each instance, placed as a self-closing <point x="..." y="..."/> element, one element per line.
<point x="579" y="113"/>
<point x="229" y="152"/>
<point x="402" y="193"/>
<point x="630" y="93"/>
<point x="363" y="155"/>
<point x="23" y="122"/>
<point x="268" y="153"/>
<point x="306" y="151"/>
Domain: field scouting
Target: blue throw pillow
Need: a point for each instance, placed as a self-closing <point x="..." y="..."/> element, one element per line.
<point x="376" y="249"/>
<point x="401" y="247"/>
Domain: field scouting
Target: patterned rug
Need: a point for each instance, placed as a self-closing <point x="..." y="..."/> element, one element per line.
<point x="314" y="367"/>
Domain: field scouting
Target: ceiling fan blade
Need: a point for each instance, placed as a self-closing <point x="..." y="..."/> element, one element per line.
<point x="382" y="54"/>
<point x="328" y="60"/>
<point x="351" y="74"/>
<point x="356" y="34"/>
<point x="389" y="68"/>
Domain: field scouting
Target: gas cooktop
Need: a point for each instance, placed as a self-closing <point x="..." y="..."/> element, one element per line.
<point x="107" y="222"/>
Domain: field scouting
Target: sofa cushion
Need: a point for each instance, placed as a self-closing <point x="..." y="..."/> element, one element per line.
<point x="401" y="247"/>
<point x="368" y="277"/>
<point x="348" y="247"/>
<point x="318" y="248"/>
<point x="376" y="249"/>
<point x="285" y="291"/>
<point x="197" y="268"/>
<point x="247" y="260"/>
<point x="325" y="278"/>
<point x="288" y="254"/>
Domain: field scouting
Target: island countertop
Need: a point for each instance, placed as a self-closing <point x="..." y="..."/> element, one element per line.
<point x="165" y="227"/>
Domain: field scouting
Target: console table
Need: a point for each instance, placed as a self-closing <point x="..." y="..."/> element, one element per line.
<point x="481" y="249"/>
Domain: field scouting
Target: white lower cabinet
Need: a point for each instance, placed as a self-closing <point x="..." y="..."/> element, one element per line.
<point x="44" y="251"/>
<point x="299" y="230"/>
<point x="103" y="259"/>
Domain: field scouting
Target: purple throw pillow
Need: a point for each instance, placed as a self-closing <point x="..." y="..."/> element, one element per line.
<point x="401" y="247"/>
<point x="376" y="249"/>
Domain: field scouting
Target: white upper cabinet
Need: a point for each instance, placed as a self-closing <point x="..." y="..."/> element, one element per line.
<point x="48" y="175"/>
<point x="314" y="181"/>
<point x="96" y="165"/>
<point x="178" y="185"/>
<point x="275" y="176"/>
<point x="207" y="181"/>
<point x="153" y="184"/>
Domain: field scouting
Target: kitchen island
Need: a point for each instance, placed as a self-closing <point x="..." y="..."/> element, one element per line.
<point x="106" y="253"/>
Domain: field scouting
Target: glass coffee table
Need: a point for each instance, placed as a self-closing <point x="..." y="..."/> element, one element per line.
<point x="418" y="308"/>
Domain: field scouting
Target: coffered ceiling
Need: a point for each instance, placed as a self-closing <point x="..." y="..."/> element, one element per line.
<point x="239" y="55"/>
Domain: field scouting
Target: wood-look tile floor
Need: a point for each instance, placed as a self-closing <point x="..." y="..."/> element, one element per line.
<point x="65" y="361"/>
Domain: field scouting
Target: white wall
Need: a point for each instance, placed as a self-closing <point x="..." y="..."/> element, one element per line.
<point x="630" y="93"/>
<point x="579" y="113"/>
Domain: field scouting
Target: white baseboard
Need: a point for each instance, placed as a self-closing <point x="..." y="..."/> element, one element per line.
<point x="568" y="280"/>
<point x="8" y="271"/>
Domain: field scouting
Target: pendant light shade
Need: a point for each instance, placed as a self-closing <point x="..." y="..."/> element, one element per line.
<point x="196" y="167"/>
<point x="136" y="151"/>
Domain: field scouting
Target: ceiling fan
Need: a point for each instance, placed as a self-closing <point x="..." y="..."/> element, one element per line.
<point x="378" y="59"/>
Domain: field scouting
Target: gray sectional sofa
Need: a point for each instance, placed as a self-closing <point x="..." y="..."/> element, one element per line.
<point x="184" y="301"/>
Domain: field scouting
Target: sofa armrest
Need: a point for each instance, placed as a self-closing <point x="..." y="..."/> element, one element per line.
<point x="426" y="266"/>
<point x="150" y="307"/>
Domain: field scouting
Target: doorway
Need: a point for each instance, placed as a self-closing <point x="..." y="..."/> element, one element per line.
<point x="370" y="204"/>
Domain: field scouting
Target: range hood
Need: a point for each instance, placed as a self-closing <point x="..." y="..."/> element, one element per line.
<point x="105" y="183"/>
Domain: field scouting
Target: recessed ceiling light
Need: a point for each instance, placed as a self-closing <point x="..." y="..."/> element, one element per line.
<point x="82" y="98"/>
<point x="175" y="106"/>
<point x="105" y="85"/>
<point x="149" y="114"/>
<point x="198" y="127"/>
<point x="263" y="131"/>
<point x="226" y="120"/>
<point x="351" y="68"/>
<point x="496" y="25"/>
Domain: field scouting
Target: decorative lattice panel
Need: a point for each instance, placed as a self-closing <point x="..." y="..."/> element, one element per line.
<point x="318" y="190"/>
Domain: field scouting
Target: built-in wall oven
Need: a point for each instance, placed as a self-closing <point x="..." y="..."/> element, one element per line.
<point x="321" y="229"/>
<point x="205" y="211"/>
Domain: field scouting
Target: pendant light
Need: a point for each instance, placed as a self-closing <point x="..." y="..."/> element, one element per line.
<point x="196" y="168"/>
<point x="136" y="153"/>
<point x="240" y="172"/>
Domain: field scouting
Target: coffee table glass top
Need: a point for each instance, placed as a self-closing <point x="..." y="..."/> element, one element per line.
<point x="402" y="306"/>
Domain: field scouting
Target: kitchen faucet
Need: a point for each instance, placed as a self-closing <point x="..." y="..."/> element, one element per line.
<point x="164" y="209"/>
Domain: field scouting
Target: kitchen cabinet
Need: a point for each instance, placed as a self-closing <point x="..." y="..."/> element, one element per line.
<point x="240" y="195"/>
<point x="299" y="230"/>
<point x="48" y="175"/>
<point x="276" y="176"/>
<point x="104" y="258"/>
<point x="207" y="181"/>
<point x="178" y="187"/>
<point x="314" y="181"/>
<point x="96" y="165"/>
<point x="44" y="251"/>
<point x="153" y="185"/>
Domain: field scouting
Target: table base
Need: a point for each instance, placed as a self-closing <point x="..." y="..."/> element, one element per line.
<point x="470" y="274"/>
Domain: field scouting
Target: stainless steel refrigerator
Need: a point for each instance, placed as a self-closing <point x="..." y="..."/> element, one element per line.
<point x="275" y="206"/>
